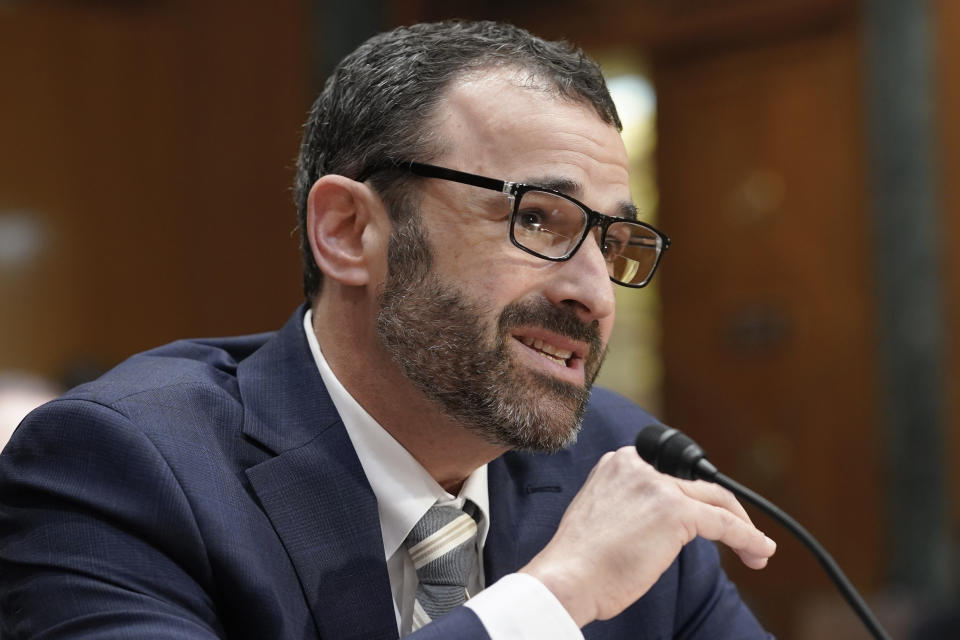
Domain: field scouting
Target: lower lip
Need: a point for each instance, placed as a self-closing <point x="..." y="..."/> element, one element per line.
<point x="572" y="372"/>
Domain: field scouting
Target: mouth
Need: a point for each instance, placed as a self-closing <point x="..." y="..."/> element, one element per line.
<point x="562" y="357"/>
<point x="558" y="356"/>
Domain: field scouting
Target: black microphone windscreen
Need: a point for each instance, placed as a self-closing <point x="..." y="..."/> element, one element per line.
<point x="649" y="441"/>
<point x="669" y="451"/>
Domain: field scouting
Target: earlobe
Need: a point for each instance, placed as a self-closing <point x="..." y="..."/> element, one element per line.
<point x="338" y="214"/>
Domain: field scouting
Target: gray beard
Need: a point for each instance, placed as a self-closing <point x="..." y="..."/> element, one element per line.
<point x="438" y="338"/>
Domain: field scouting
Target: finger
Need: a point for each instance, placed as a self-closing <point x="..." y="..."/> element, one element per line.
<point x="757" y="562"/>
<point x="623" y="460"/>
<point x="721" y="525"/>
<point x="629" y="456"/>
<point x="602" y="462"/>
<point x="714" y="494"/>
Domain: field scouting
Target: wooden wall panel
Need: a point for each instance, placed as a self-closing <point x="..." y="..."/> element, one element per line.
<point x="768" y="338"/>
<point x="154" y="145"/>
<point x="639" y="25"/>
<point x="947" y="24"/>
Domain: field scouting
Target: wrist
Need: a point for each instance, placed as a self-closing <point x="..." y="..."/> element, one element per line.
<point x="568" y="591"/>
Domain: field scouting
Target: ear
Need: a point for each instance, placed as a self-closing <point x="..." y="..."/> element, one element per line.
<point x="339" y="212"/>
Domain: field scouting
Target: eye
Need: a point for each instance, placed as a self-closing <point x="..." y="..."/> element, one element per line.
<point x="613" y="246"/>
<point x="531" y="220"/>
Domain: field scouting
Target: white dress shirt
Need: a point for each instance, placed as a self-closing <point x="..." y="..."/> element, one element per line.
<point x="517" y="607"/>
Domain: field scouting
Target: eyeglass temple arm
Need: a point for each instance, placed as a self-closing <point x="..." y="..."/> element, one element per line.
<point x="432" y="171"/>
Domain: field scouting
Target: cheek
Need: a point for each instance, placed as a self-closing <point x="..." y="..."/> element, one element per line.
<point x="488" y="267"/>
<point x="480" y="260"/>
<point x="494" y="288"/>
<point x="478" y="251"/>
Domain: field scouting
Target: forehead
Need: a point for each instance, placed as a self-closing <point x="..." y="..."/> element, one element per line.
<point x="501" y="124"/>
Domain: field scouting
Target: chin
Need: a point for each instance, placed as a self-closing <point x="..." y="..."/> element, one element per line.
<point x="548" y="426"/>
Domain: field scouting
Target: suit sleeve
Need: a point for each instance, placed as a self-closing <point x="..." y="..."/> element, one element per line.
<point x="96" y="535"/>
<point x="709" y="606"/>
<point x="461" y="623"/>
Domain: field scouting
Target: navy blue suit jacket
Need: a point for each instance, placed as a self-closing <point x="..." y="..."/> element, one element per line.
<point x="208" y="489"/>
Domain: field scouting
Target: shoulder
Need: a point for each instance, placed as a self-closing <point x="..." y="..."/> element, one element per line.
<point x="184" y="363"/>
<point x="185" y="392"/>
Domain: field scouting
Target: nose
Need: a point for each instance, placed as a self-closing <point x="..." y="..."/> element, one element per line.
<point x="583" y="283"/>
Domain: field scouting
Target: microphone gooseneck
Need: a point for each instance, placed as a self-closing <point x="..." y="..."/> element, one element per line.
<point x="673" y="453"/>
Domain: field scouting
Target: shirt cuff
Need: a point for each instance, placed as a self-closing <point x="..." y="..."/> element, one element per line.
<point x="520" y="607"/>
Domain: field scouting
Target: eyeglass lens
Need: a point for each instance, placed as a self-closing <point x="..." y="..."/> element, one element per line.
<point x="551" y="226"/>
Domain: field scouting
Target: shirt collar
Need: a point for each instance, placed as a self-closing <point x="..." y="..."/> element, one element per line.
<point x="403" y="488"/>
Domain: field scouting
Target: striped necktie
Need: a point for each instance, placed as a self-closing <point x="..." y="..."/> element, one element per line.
<point x="442" y="546"/>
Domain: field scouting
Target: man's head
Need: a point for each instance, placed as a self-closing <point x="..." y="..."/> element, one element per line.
<point x="441" y="304"/>
<point x="379" y="104"/>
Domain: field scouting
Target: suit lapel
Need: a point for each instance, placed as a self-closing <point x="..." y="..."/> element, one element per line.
<point x="525" y="507"/>
<point x="528" y="494"/>
<point x="503" y="540"/>
<point x="314" y="490"/>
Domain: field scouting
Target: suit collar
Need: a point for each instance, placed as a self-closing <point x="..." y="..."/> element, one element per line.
<point x="285" y="403"/>
<point x="314" y="490"/>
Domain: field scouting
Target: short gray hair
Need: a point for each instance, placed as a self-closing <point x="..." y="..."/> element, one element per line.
<point x="377" y="105"/>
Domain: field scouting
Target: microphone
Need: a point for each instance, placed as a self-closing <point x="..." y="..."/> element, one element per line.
<point x="673" y="453"/>
<point x="670" y="451"/>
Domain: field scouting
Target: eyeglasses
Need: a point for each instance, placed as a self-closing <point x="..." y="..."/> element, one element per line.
<point x="551" y="225"/>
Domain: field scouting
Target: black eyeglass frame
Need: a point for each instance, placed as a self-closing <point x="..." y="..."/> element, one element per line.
<point x="515" y="191"/>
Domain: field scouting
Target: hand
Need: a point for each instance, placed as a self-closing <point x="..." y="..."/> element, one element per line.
<point x="626" y="526"/>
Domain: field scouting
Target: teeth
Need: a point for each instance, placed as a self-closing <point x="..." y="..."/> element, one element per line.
<point x="560" y="356"/>
<point x="563" y="354"/>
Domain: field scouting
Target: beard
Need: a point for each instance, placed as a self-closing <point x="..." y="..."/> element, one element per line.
<point x="441" y="341"/>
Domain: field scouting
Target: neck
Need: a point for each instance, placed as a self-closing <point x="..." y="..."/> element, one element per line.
<point x="448" y="450"/>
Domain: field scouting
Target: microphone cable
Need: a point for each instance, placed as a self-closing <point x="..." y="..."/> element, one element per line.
<point x="673" y="453"/>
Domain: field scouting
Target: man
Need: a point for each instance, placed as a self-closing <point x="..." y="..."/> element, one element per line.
<point x="412" y="435"/>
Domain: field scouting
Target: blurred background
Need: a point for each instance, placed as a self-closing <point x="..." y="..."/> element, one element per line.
<point x="800" y="153"/>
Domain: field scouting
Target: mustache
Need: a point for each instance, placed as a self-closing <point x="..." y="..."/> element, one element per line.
<point x="560" y="320"/>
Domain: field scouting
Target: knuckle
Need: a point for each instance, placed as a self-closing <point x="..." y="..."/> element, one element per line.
<point x="735" y="530"/>
<point x="716" y="492"/>
<point x="664" y="497"/>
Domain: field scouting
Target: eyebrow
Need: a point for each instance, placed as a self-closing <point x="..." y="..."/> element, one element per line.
<point x="574" y="189"/>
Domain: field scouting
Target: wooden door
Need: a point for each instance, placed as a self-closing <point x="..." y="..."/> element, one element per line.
<point x="148" y="153"/>
<point x="768" y="299"/>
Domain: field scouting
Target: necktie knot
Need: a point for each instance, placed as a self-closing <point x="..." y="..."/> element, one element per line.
<point x="442" y="546"/>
